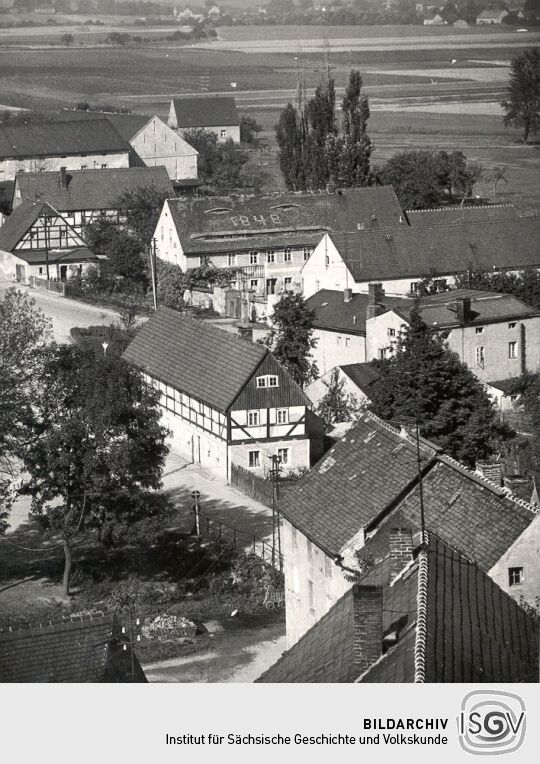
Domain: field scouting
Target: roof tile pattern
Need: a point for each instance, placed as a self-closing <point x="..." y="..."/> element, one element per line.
<point x="459" y="215"/>
<point x="205" y="111"/>
<point x="191" y="355"/>
<point x="58" y="139"/>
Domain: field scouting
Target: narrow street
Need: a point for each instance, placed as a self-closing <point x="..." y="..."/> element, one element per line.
<point x="63" y="312"/>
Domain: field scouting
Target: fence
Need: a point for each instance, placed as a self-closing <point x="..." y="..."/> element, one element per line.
<point x="252" y="485"/>
<point x="211" y="528"/>
<point x="49" y="284"/>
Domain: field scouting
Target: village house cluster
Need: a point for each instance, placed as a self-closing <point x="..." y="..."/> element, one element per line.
<point x="400" y="563"/>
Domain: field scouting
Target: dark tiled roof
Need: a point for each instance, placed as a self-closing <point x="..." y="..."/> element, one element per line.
<point x="71" y="255"/>
<point x="469" y="513"/>
<point x="334" y="314"/>
<point x="504" y="385"/>
<point x="440" y="309"/>
<point x="18" y="223"/>
<point x="195" y="357"/>
<point x="409" y="252"/>
<point x="205" y="111"/>
<point x="356" y="481"/>
<point x="243" y="222"/>
<point x="458" y="215"/>
<point x="60" y="138"/>
<point x="88" y="649"/>
<point x="361" y="374"/>
<point x="90" y="189"/>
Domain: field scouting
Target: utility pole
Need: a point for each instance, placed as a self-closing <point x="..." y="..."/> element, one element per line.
<point x="196" y="495"/>
<point x="46" y="244"/>
<point x="153" y="271"/>
<point x="276" y="529"/>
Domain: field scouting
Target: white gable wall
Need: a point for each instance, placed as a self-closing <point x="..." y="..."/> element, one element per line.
<point x="168" y="245"/>
<point x="158" y="145"/>
<point x="325" y="269"/>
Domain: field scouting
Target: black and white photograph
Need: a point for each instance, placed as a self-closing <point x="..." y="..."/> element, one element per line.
<point x="270" y="349"/>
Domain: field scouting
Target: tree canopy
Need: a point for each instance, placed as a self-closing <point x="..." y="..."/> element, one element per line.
<point x="24" y="335"/>
<point x="313" y="152"/>
<point x="424" y="379"/>
<point x="291" y="338"/>
<point x="337" y="405"/>
<point x="522" y="102"/>
<point x="522" y="284"/>
<point x="97" y="451"/>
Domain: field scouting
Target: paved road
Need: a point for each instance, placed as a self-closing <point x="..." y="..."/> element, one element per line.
<point x="64" y="313"/>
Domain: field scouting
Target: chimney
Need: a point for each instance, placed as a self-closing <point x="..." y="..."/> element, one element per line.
<point x="374" y="304"/>
<point x="347" y="295"/>
<point x="490" y="470"/>
<point x="463" y="310"/>
<point x="401" y="550"/>
<point x="63" y="178"/>
<point x="368" y="626"/>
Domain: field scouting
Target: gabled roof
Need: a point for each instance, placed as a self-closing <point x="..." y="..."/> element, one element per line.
<point x="372" y="473"/>
<point x="205" y="111"/>
<point x="60" y="256"/>
<point x="458" y="215"/>
<point x="231" y="223"/>
<point x="59" y="139"/>
<point x="408" y="252"/>
<point x="440" y="310"/>
<point x="334" y="314"/>
<point x="363" y="375"/>
<point x="354" y="484"/>
<point x="83" y="649"/>
<point x="18" y="223"/>
<point x="90" y="189"/>
<point x="195" y="357"/>
<point x="451" y="623"/>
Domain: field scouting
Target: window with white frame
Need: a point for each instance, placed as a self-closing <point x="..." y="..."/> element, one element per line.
<point x="254" y="458"/>
<point x="512" y="349"/>
<point x="382" y="353"/>
<point x="288" y="283"/>
<point x="480" y="356"/>
<point x="391" y="332"/>
<point x="268" y="380"/>
<point x="347" y="342"/>
<point x="254" y="284"/>
<point x="231" y="260"/>
<point x="515" y="576"/>
<point x="253" y="258"/>
<point x="222" y="133"/>
<point x="415" y="286"/>
<point x="283" y="455"/>
<point x="512" y="325"/>
<point x="253" y="418"/>
<point x="270" y="256"/>
<point x="307" y="253"/>
<point x="287" y="255"/>
<point x="282" y="416"/>
<point x="339" y="341"/>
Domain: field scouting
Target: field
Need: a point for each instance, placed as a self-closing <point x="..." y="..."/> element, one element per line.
<point x="428" y="87"/>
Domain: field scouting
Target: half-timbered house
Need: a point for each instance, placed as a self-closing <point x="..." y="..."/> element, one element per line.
<point x="37" y="242"/>
<point x="225" y="400"/>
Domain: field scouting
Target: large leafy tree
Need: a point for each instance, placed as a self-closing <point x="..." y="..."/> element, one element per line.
<point x="337" y="405"/>
<point x="425" y="380"/>
<point x="290" y="139"/>
<point x="522" y="284"/>
<point x="522" y="103"/>
<point x="141" y="208"/>
<point x="125" y="264"/>
<point x="291" y="338"/>
<point x="24" y="335"/>
<point x="98" y="450"/>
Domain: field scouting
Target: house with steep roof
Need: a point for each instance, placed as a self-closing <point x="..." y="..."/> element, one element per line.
<point x="402" y="257"/>
<point x="89" y="648"/>
<point x="217" y="114"/>
<point x="82" y="196"/>
<point x="408" y="619"/>
<point x="36" y="242"/>
<point x="153" y="143"/>
<point x="226" y="400"/>
<point x="269" y="237"/>
<point x="52" y="145"/>
<point x="355" y="381"/>
<point x="337" y="518"/>
<point x="496" y="335"/>
<point x="492" y="16"/>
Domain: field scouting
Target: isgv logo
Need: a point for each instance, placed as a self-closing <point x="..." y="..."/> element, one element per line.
<point x="491" y="722"/>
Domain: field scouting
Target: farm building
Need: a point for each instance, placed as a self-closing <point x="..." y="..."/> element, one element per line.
<point x="50" y="146"/>
<point x="218" y="114"/>
<point x="401" y="258"/>
<point x="226" y="400"/>
<point x="81" y="196"/>
<point x="457" y="215"/>
<point x="36" y="242"/>
<point x="492" y="16"/>
<point x="365" y="488"/>
<point x="356" y="380"/>
<point x="268" y="237"/>
<point x="153" y="143"/>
